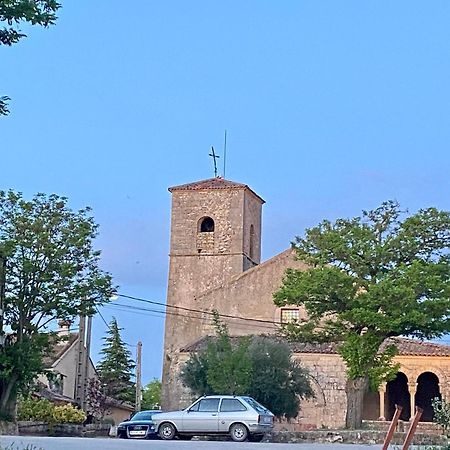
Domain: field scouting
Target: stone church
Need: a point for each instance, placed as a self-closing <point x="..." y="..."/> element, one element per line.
<point x="215" y="263"/>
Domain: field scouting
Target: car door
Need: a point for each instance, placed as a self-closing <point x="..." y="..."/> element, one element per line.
<point x="231" y="410"/>
<point x="202" y="417"/>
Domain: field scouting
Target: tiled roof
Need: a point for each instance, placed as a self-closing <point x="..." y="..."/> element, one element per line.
<point x="58" y="349"/>
<point x="414" y="347"/>
<point x="212" y="183"/>
<point x="406" y="347"/>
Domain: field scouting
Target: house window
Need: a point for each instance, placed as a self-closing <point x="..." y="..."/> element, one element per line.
<point x="56" y="383"/>
<point x="290" y="315"/>
<point x="206" y="225"/>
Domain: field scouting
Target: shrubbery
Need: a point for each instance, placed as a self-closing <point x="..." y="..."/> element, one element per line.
<point x="43" y="410"/>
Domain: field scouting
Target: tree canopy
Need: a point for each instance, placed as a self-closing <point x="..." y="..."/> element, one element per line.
<point x="13" y="13"/>
<point x="151" y="395"/>
<point x="115" y="370"/>
<point x="50" y="270"/>
<point x="258" y="366"/>
<point x="372" y="277"/>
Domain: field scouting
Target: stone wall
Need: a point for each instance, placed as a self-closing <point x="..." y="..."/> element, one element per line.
<point x="328" y="408"/>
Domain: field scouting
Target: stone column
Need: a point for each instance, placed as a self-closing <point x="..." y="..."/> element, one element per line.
<point x="382" y="395"/>
<point x="412" y="393"/>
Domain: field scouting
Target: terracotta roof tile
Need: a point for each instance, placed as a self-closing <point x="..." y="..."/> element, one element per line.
<point x="212" y="183"/>
<point x="58" y="349"/>
<point x="414" y="347"/>
<point x="406" y="347"/>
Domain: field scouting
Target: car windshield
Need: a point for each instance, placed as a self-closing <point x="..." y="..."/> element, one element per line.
<point x="255" y="405"/>
<point x="143" y="415"/>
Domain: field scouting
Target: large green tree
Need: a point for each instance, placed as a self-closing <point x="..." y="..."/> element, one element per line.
<point x="151" y="395"/>
<point x="372" y="277"/>
<point x="115" y="370"/>
<point x="49" y="270"/>
<point x="259" y="366"/>
<point x="13" y="13"/>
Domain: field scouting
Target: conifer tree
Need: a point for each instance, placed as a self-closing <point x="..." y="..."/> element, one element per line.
<point x="115" y="370"/>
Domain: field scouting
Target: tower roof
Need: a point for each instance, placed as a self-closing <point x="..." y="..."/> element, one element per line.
<point x="213" y="183"/>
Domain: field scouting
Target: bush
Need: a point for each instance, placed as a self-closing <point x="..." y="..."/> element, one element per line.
<point x="43" y="410"/>
<point x="441" y="410"/>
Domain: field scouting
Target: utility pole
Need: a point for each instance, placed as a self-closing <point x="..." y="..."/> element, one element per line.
<point x="138" y="376"/>
<point x="87" y="354"/>
<point x="2" y="296"/>
<point x="81" y="364"/>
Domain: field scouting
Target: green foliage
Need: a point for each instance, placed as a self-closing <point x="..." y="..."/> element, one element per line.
<point x="261" y="367"/>
<point x="42" y="410"/>
<point x="35" y="12"/>
<point x="151" y="395"/>
<point x="115" y="368"/>
<point x="221" y="368"/>
<point x="15" y="12"/>
<point x="52" y="272"/>
<point x="371" y="278"/>
<point x="278" y="382"/>
<point x="4" y="110"/>
<point x="441" y="410"/>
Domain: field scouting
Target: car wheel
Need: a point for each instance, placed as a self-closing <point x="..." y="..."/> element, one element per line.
<point x="167" y="431"/>
<point x="238" y="432"/>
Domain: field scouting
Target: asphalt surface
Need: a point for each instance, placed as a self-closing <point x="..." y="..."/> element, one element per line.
<point x="58" y="443"/>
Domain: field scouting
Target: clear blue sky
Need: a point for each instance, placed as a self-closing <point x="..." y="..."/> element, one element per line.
<point x="331" y="107"/>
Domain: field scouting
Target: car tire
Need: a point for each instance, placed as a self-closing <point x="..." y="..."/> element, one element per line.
<point x="238" y="432"/>
<point x="167" y="431"/>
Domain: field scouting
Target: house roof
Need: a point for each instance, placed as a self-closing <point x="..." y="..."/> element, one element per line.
<point x="58" y="348"/>
<point x="45" y="392"/>
<point x="213" y="183"/>
<point x="406" y="347"/>
<point x="414" y="347"/>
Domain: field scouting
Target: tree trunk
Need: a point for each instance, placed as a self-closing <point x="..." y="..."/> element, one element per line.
<point x="355" y="390"/>
<point x="8" y="398"/>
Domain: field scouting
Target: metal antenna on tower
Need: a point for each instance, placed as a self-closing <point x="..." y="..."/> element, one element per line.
<point x="214" y="157"/>
<point x="224" y="152"/>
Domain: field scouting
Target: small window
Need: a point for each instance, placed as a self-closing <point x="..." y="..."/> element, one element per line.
<point x="208" y="405"/>
<point x="194" y="407"/>
<point x="232" y="405"/>
<point x="290" y="315"/>
<point x="252" y="242"/>
<point x="206" y="225"/>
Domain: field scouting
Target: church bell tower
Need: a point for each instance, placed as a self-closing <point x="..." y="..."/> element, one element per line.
<point x="215" y="234"/>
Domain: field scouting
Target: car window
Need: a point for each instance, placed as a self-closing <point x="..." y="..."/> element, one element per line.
<point x="208" y="405"/>
<point x="194" y="407"/>
<point x="231" y="404"/>
<point x="255" y="405"/>
<point x="142" y="416"/>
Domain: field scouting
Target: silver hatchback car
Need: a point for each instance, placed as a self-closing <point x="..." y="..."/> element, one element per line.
<point x="239" y="416"/>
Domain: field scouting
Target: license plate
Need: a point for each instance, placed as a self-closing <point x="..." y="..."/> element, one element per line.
<point x="137" y="432"/>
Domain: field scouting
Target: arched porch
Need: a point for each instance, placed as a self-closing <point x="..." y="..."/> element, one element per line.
<point x="409" y="394"/>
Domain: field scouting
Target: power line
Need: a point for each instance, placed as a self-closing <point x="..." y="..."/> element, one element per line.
<point x="108" y="326"/>
<point x="160" y="313"/>
<point x="211" y="313"/>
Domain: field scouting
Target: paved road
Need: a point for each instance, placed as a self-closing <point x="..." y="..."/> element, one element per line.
<point x="57" y="443"/>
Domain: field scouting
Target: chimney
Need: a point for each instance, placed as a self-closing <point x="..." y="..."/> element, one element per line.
<point x="64" y="328"/>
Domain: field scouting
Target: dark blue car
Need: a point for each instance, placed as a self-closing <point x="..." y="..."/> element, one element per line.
<point x="140" y="426"/>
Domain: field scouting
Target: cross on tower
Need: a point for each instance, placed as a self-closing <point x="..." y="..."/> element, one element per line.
<point x="214" y="157"/>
